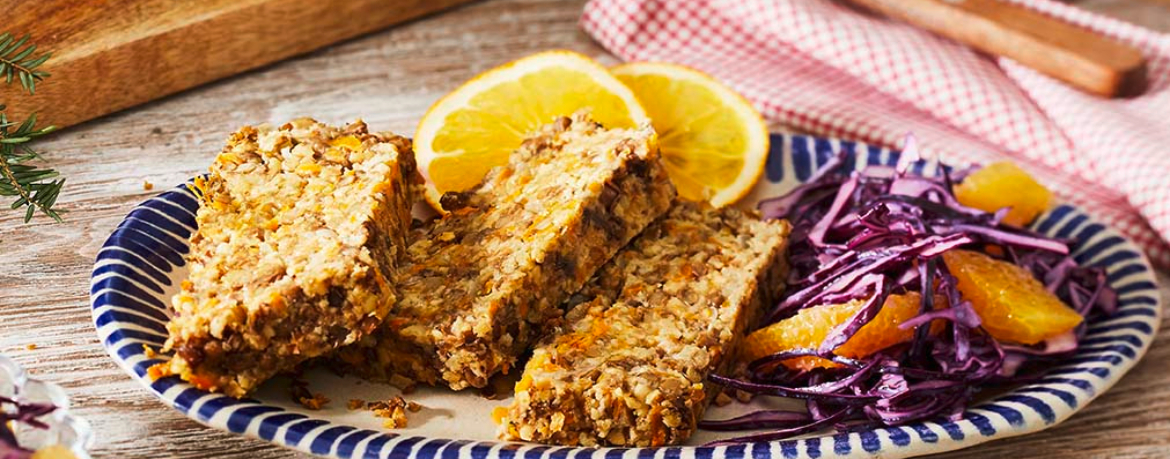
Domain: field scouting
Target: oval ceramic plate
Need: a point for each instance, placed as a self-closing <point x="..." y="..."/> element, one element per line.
<point x="141" y="264"/>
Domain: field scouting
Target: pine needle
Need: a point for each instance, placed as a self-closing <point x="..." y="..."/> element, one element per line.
<point x="19" y="62"/>
<point x="33" y="188"/>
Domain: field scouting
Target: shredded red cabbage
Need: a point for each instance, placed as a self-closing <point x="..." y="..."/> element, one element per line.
<point x="12" y="412"/>
<point x="877" y="232"/>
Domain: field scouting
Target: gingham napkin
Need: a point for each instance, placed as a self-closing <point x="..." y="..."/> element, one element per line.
<point x="825" y="68"/>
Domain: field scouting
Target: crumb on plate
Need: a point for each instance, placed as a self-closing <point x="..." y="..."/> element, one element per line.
<point x="314" y="401"/>
<point x="393" y="410"/>
<point x="299" y="390"/>
<point x="722" y="399"/>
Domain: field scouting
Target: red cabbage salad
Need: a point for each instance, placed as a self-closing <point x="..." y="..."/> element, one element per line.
<point x="865" y="235"/>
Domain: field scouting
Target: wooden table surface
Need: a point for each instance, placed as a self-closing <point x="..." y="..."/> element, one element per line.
<point x="389" y="79"/>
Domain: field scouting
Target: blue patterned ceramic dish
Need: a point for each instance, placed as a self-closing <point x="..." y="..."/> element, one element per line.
<point x="140" y="265"/>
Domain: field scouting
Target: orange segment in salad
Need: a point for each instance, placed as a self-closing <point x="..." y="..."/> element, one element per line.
<point x="1012" y="304"/>
<point x="1003" y="184"/>
<point x="809" y="327"/>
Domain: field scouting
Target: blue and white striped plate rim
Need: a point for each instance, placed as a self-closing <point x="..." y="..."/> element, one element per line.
<point x="145" y="253"/>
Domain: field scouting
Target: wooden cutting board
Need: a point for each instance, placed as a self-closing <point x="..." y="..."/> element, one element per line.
<point x="112" y="54"/>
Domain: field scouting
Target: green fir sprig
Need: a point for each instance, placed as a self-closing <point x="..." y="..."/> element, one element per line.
<point x="33" y="188"/>
<point x="19" y="62"/>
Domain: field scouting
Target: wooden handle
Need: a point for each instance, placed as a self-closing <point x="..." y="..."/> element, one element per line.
<point x="1079" y="57"/>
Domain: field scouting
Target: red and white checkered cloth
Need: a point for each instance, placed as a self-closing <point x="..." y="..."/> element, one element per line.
<point x="827" y="69"/>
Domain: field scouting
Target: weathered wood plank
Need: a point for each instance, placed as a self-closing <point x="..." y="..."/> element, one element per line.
<point x="390" y="78"/>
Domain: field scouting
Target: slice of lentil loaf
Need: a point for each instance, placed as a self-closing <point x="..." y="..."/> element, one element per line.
<point x="484" y="279"/>
<point x="300" y="231"/>
<point x="629" y="364"/>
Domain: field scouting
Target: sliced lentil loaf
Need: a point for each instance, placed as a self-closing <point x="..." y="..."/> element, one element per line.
<point x="629" y="364"/>
<point x="300" y="230"/>
<point x="481" y="282"/>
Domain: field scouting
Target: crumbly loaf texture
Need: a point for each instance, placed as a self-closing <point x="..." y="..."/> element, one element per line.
<point x="481" y="282"/>
<point x="301" y="229"/>
<point x="629" y="364"/>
